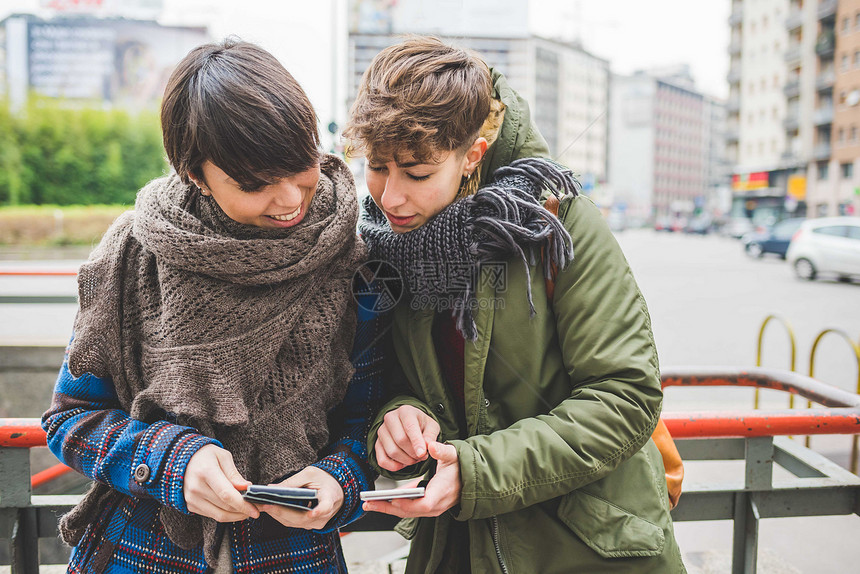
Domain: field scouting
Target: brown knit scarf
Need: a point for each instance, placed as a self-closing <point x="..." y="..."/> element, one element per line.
<point x="240" y="332"/>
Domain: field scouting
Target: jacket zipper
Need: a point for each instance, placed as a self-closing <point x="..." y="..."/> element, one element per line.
<point x="495" y="524"/>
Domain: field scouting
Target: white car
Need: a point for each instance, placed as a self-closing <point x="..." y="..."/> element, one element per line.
<point x="829" y="245"/>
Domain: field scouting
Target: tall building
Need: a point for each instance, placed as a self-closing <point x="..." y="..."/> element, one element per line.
<point x="667" y="145"/>
<point x="769" y="124"/>
<point x="836" y="189"/>
<point x="566" y="87"/>
<point x="809" y="50"/>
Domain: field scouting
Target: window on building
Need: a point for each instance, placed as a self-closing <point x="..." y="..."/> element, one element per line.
<point x="853" y="134"/>
<point x="856" y="59"/>
<point x="847" y="170"/>
<point x="846" y="25"/>
<point x="844" y="65"/>
<point x="842" y="96"/>
<point x="823" y="169"/>
<point x="840" y="135"/>
<point x="821" y="210"/>
<point x="857" y="21"/>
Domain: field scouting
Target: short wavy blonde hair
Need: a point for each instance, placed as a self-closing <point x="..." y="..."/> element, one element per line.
<point x="419" y="98"/>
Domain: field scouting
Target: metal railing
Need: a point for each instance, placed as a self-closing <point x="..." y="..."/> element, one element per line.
<point x="854" y="347"/>
<point x="819" y="487"/>
<point x="24" y="272"/>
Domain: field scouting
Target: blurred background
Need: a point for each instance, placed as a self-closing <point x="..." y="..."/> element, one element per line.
<point x="718" y="137"/>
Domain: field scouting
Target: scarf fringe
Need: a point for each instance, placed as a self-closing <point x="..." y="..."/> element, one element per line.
<point x="511" y="219"/>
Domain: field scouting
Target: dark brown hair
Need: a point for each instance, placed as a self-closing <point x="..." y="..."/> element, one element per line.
<point x="234" y="104"/>
<point x="419" y="97"/>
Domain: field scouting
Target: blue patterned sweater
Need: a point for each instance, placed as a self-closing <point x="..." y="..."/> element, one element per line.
<point x="88" y="431"/>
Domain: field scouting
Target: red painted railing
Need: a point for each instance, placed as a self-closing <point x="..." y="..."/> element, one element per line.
<point x="840" y="413"/>
<point x="37" y="272"/>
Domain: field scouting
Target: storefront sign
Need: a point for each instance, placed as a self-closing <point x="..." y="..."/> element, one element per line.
<point x="750" y="181"/>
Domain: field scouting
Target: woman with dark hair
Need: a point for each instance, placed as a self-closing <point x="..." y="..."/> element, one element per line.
<point x="530" y="383"/>
<point x="213" y="348"/>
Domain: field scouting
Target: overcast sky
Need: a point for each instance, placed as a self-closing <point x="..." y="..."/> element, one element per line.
<point x="640" y="34"/>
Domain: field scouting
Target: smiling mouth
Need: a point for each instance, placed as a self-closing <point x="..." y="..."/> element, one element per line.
<point x="287" y="217"/>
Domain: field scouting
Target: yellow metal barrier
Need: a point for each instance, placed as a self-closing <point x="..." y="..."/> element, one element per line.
<point x="791" y="337"/>
<point x="856" y="348"/>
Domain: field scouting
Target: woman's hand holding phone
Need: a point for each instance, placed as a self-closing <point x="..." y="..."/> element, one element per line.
<point x="210" y="486"/>
<point x="329" y="495"/>
<point x="440" y="494"/>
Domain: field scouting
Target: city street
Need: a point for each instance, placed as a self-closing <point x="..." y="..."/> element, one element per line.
<point x="707" y="301"/>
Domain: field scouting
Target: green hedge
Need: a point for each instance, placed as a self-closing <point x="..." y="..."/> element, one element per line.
<point x="54" y="154"/>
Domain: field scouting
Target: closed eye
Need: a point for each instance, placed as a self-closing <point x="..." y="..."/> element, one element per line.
<point x="418" y="177"/>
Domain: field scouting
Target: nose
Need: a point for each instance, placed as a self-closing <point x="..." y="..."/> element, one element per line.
<point x="392" y="195"/>
<point x="287" y="194"/>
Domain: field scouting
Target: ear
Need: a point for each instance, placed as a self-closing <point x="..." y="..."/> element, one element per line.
<point x="199" y="183"/>
<point x="474" y="155"/>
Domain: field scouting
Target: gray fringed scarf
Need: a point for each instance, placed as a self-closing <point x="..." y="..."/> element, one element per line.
<point x="241" y="332"/>
<point x="441" y="259"/>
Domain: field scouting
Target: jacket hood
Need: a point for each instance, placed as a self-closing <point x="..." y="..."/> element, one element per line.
<point x="518" y="136"/>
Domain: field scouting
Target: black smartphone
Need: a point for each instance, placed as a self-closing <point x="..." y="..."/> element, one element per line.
<point x="298" y="498"/>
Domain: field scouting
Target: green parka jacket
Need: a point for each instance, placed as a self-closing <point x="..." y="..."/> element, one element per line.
<point x="559" y="473"/>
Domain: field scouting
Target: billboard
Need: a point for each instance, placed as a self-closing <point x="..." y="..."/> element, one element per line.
<point x="124" y="62"/>
<point x="144" y="9"/>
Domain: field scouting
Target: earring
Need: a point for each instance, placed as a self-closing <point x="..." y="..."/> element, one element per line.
<point x="203" y="191"/>
<point x="468" y="185"/>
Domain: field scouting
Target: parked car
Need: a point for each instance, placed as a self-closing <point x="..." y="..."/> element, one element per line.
<point x="773" y="240"/>
<point x="737" y="227"/>
<point x="830" y="245"/>
<point x="701" y="225"/>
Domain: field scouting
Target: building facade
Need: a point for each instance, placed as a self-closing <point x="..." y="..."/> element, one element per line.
<point x="810" y="51"/>
<point x="836" y="190"/>
<point x="769" y="123"/>
<point x="666" y="157"/>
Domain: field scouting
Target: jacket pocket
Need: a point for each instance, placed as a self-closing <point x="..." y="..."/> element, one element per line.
<point x="609" y="530"/>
